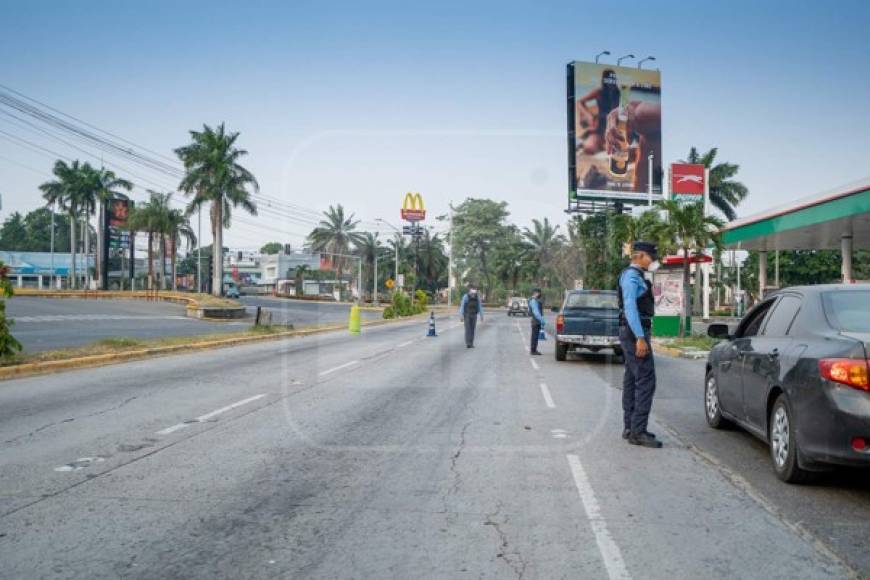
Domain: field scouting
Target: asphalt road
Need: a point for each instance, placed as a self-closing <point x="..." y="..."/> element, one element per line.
<point x="393" y="455"/>
<point x="302" y="312"/>
<point x="48" y="324"/>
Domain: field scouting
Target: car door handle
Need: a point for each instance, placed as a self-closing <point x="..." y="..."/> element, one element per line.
<point x="773" y="354"/>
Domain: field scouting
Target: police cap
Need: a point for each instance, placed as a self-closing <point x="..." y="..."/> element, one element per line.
<point x="648" y="247"/>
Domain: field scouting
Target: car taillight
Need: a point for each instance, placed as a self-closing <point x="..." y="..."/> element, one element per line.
<point x="560" y="324"/>
<point x="847" y="371"/>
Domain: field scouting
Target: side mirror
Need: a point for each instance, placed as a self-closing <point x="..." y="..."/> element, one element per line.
<point x="718" y="330"/>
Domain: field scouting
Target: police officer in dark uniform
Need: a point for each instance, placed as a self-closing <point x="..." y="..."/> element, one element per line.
<point x="636" y="310"/>
<point x="469" y="309"/>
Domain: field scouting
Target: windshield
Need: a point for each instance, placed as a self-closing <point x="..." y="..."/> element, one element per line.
<point x="848" y="311"/>
<point x="592" y="300"/>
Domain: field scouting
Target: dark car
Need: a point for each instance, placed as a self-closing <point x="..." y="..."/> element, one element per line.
<point x="795" y="374"/>
<point x="588" y="319"/>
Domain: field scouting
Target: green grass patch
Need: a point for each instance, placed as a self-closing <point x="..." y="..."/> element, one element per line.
<point x="692" y="342"/>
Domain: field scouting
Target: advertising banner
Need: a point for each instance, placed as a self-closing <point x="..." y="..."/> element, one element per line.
<point x="614" y="124"/>
<point x="687" y="181"/>
<point x="668" y="293"/>
<point x="118" y="212"/>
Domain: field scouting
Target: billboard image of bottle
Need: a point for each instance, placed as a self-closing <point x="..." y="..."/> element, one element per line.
<point x="614" y="124"/>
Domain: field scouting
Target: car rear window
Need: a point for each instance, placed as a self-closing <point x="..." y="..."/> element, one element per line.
<point x="848" y="311"/>
<point x="592" y="300"/>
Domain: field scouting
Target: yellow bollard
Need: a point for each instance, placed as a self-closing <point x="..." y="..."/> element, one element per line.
<point x="353" y="324"/>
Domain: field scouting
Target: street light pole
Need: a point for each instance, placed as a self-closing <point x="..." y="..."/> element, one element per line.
<point x="398" y="239"/>
<point x="622" y="58"/>
<point x="199" y="251"/>
<point x="53" y="276"/>
<point x="644" y="60"/>
<point x="600" y="54"/>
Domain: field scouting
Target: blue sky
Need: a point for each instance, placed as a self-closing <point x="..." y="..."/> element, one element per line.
<point x="356" y="103"/>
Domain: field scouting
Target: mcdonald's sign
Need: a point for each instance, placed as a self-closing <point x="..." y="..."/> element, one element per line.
<point x="413" y="209"/>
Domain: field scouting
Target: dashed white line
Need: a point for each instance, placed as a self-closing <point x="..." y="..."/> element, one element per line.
<point x="404" y="344"/>
<point x="547" y="398"/>
<point x="613" y="562"/>
<point x="207" y="416"/>
<point x="534" y="364"/>
<point x="338" y="368"/>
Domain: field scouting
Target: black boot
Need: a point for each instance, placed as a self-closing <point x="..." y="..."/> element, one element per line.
<point x="644" y="439"/>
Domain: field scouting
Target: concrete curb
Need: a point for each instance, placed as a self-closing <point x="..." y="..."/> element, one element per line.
<point x="48" y="367"/>
<point x="194" y="308"/>
<point x="680" y="353"/>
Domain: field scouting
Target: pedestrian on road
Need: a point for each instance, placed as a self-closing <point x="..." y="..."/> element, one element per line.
<point x="636" y="310"/>
<point x="469" y="309"/>
<point x="536" y="309"/>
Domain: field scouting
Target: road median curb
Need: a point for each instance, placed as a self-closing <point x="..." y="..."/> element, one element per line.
<point x="52" y="366"/>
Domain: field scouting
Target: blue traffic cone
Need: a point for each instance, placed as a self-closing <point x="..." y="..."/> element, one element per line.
<point x="542" y="335"/>
<point x="431" y="325"/>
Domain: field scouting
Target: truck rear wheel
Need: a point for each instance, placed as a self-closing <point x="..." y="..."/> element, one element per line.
<point x="561" y="351"/>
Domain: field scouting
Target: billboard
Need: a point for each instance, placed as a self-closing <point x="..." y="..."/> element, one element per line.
<point x="413" y="209"/>
<point x="117" y="214"/>
<point x="614" y="124"/>
<point x="687" y="181"/>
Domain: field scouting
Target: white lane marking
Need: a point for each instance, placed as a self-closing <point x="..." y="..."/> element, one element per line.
<point x="547" y="398"/>
<point x="207" y="416"/>
<point x="71" y="317"/>
<point x="559" y="433"/>
<point x="80" y="463"/>
<point x="534" y="364"/>
<point x="613" y="562"/>
<point x="404" y="344"/>
<point x="338" y="368"/>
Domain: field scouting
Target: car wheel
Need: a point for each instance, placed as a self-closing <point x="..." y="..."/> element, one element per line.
<point x="561" y="351"/>
<point x="783" y="445"/>
<point x="712" y="409"/>
<point x="617" y="352"/>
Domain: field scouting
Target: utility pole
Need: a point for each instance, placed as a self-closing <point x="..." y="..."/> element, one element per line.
<point x="450" y="256"/>
<point x="199" y="251"/>
<point x="53" y="275"/>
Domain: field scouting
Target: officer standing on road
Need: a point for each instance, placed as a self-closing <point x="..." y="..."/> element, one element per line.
<point x="469" y="309"/>
<point x="536" y="309"/>
<point x="636" y="310"/>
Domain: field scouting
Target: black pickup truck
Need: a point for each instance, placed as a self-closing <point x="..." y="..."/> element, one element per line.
<point x="588" y="319"/>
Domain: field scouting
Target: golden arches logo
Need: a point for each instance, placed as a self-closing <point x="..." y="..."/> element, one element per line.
<point x="413" y="209"/>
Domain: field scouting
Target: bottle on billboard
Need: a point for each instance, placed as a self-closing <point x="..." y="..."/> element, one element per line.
<point x="620" y="157"/>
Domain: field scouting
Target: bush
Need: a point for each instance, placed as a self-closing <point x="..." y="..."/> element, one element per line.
<point x="389" y="312"/>
<point x="421" y="302"/>
<point x="8" y="345"/>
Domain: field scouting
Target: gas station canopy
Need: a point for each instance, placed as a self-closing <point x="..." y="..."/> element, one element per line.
<point x="821" y="222"/>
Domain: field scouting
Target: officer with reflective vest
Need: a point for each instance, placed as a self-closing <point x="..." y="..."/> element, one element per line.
<point x="469" y="309"/>
<point x="636" y="310"/>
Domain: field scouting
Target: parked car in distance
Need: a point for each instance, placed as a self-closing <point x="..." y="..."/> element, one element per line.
<point x="795" y="374"/>
<point x="588" y="319"/>
<point x="518" y="306"/>
<point x="232" y="291"/>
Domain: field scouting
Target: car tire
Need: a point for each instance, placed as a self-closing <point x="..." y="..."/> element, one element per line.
<point x="712" y="407"/>
<point x="617" y="353"/>
<point x="561" y="351"/>
<point x="783" y="445"/>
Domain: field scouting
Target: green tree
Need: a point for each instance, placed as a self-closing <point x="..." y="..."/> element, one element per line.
<point x="512" y="262"/>
<point x="272" y="248"/>
<point x="38" y="226"/>
<point x="544" y="242"/>
<point x="602" y="254"/>
<point x="432" y="261"/>
<point x="8" y="344"/>
<point x="68" y="191"/>
<point x="177" y="228"/>
<point x="335" y="234"/>
<point x="367" y="247"/>
<point x="299" y="279"/>
<point x="478" y="226"/>
<point x="725" y="193"/>
<point x="214" y="177"/>
<point x="693" y="232"/>
<point x="149" y="217"/>
<point x="13" y="234"/>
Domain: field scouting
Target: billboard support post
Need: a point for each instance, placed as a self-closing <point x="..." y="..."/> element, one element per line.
<point x="650" y="179"/>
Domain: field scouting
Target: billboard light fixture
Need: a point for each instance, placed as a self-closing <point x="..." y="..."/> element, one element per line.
<point x="600" y="54"/>
<point x="622" y="58"/>
<point x="644" y="60"/>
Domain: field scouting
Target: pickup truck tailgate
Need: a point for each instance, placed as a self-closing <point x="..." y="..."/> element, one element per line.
<point x="591" y="322"/>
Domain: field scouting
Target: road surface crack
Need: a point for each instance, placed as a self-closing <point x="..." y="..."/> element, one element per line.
<point x="514" y="558"/>
<point x="457" y="476"/>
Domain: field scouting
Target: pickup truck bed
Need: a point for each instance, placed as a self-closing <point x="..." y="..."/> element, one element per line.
<point x="588" y="319"/>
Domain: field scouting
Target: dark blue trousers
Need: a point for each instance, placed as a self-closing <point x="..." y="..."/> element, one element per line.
<point x="638" y="384"/>
<point x="536" y="335"/>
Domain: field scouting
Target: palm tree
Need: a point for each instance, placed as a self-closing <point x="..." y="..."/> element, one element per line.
<point x="299" y="279"/>
<point x="67" y="192"/>
<point x="215" y="177"/>
<point x="335" y="235"/>
<point x="367" y="248"/>
<point x="432" y="259"/>
<point x="544" y="241"/>
<point x="725" y="194"/>
<point x="649" y="226"/>
<point x="105" y="186"/>
<point x="178" y="228"/>
<point x="692" y="232"/>
<point x="150" y="217"/>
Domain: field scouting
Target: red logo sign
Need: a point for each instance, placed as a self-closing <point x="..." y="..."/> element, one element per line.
<point x="687" y="179"/>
